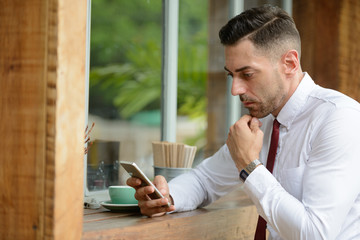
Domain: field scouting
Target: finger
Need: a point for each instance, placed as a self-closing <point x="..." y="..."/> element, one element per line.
<point x="143" y="192"/>
<point x="246" y="118"/>
<point x="243" y="122"/>
<point x="161" y="184"/>
<point x="154" y="203"/>
<point x="254" y="124"/>
<point x="155" y="212"/>
<point x="133" y="182"/>
<point x="155" y="207"/>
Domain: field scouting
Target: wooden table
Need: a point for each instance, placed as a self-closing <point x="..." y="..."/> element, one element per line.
<point x="231" y="217"/>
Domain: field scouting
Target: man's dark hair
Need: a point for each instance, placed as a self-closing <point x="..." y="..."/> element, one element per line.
<point x="269" y="28"/>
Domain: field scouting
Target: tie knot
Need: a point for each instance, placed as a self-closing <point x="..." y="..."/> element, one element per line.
<point x="276" y="124"/>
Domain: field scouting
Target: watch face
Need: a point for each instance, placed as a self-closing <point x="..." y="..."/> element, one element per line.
<point x="243" y="175"/>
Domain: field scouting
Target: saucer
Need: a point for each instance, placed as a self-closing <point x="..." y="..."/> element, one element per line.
<point x="120" y="207"/>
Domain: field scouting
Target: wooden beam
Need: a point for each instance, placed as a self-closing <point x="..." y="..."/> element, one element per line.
<point x="70" y="119"/>
<point x="42" y="63"/>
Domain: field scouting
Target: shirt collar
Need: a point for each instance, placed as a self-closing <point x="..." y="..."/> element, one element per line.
<point x="296" y="102"/>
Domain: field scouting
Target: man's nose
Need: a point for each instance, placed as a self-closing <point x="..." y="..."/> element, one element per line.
<point x="238" y="86"/>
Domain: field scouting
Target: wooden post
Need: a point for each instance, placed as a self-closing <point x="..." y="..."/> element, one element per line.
<point x="216" y="84"/>
<point x="42" y="64"/>
<point x="330" y="49"/>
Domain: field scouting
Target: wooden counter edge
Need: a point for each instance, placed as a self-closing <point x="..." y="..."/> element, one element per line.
<point x="231" y="217"/>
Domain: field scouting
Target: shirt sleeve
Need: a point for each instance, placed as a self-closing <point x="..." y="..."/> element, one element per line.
<point x="331" y="183"/>
<point x="211" y="179"/>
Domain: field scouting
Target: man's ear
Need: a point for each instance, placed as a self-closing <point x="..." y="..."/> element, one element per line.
<point x="290" y="61"/>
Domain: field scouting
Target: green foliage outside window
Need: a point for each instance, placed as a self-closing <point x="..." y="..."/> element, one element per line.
<point x="126" y="40"/>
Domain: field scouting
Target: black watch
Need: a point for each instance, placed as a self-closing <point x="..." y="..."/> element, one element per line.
<point x="248" y="169"/>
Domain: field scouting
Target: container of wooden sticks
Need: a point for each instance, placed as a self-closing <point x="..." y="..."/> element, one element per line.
<point x="172" y="159"/>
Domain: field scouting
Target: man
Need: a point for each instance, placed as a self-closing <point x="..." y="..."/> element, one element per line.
<point x="313" y="190"/>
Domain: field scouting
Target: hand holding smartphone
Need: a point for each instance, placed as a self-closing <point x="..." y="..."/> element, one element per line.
<point x="135" y="171"/>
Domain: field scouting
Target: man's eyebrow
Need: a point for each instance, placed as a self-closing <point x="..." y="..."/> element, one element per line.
<point x="237" y="70"/>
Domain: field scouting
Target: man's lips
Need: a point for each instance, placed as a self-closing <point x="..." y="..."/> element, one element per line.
<point x="248" y="103"/>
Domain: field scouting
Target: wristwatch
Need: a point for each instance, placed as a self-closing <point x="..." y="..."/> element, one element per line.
<point x="248" y="169"/>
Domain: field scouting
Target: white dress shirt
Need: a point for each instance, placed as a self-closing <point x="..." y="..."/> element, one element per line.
<point x="314" y="191"/>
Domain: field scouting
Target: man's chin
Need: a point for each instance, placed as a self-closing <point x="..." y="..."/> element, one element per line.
<point x="257" y="114"/>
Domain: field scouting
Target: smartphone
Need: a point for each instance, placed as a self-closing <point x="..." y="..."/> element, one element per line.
<point x="135" y="171"/>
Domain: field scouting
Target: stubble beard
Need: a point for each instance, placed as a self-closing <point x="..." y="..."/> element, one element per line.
<point x="266" y="106"/>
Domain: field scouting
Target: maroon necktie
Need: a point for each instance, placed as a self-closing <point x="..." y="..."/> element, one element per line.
<point x="260" y="233"/>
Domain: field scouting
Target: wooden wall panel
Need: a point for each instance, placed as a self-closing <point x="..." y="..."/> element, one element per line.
<point x="318" y="24"/>
<point x="42" y="63"/>
<point x="330" y="50"/>
<point x="349" y="48"/>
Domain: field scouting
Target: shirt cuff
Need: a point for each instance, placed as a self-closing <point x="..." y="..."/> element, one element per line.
<point x="258" y="184"/>
<point x="179" y="196"/>
<point x="177" y="199"/>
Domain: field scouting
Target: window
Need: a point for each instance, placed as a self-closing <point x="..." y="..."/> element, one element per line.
<point x="124" y="85"/>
